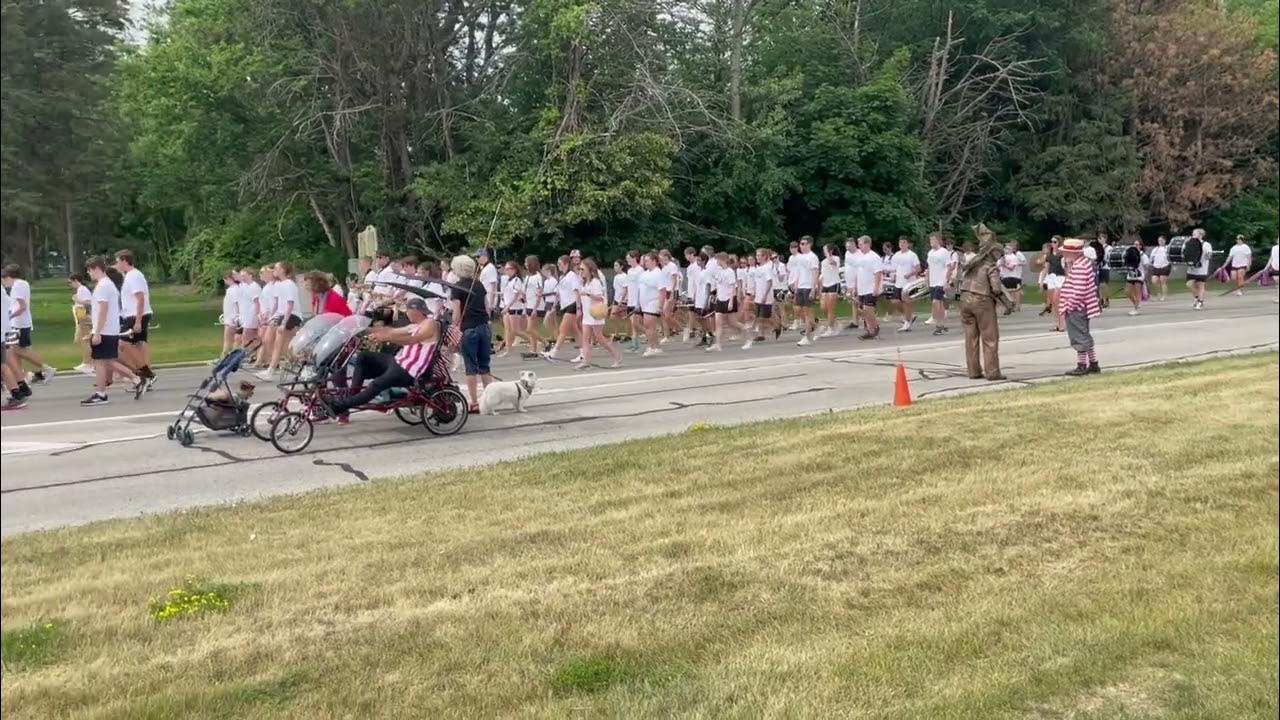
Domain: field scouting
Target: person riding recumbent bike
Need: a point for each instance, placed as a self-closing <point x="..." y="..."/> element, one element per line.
<point x="414" y="383"/>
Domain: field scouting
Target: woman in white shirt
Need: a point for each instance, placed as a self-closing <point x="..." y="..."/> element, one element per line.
<point x="1273" y="269"/>
<point x="1160" y="266"/>
<point x="550" y="299"/>
<point x="652" y="293"/>
<point x="230" y="312"/>
<point x="829" y="276"/>
<point x="567" y="290"/>
<point x="81" y="305"/>
<point x="286" y="319"/>
<point x="595" y="311"/>
<point x="512" y="285"/>
<point x="1239" y="258"/>
<point x="533" y="305"/>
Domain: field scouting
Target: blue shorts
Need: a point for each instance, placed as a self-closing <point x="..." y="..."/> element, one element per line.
<point x="477" y="343"/>
<point x="937" y="293"/>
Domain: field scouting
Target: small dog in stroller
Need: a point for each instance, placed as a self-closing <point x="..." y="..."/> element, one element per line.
<point x="215" y="404"/>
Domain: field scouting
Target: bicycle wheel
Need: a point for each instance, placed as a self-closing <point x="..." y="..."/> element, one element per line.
<point x="292" y="432"/>
<point x="260" y="421"/>
<point x="449" y="413"/>
<point x="410" y="415"/>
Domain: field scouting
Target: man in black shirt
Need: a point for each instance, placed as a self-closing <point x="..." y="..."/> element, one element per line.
<point x="468" y="303"/>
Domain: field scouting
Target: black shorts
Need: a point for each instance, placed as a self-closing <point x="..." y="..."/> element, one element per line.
<point x="569" y="310"/>
<point x="108" y="348"/>
<point x="1196" y="277"/>
<point x="891" y="293"/>
<point x="723" y="307"/>
<point x="1011" y="283"/>
<point x="764" y="311"/>
<point x="867" y="301"/>
<point x="24" y="337"/>
<point x="126" y="324"/>
<point x="937" y="293"/>
<point x="1104" y="275"/>
<point x="804" y="297"/>
<point x="706" y="311"/>
<point x="1161" y="272"/>
<point x="831" y="289"/>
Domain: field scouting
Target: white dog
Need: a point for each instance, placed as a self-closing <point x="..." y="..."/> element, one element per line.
<point x="503" y="394"/>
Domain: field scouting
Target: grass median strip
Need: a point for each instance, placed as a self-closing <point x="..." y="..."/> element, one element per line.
<point x="1118" y="560"/>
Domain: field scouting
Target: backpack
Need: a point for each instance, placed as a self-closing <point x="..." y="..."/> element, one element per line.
<point x="1192" y="251"/>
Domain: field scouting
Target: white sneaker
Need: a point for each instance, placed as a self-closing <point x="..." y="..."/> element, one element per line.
<point x="714" y="347"/>
<point x="650" y="352"/>
<point x="1198" y="306"/>
<point x="1239" y="293"/>
<point x="833" y="332"/>
<point x="1133" y="313"/>
<point x="663" y="340"/>
<point x="747" y="345"/>
<point x="50" y="372"/>
<point x="804" y="341"/>
<point x="684" y="336"/>
<point x="904" y="327"/>
<point x="501" y="355"/>
<point x="826" y="332"/>
<point x="795" y="325"/>
<point x="929" y="321"/>
<point x="84" y="369"/>
<point x="577" y="358"/>
<point x="617" y="363"/>
<point x="266" y="375"/>
<point x="582" y="366"/>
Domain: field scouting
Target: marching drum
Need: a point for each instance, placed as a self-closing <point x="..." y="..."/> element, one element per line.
<point x="916" y="289"/>
<point x="1175" y="248"/>
<point x="1124" y="258"/>
<point x="1115" y="258"/>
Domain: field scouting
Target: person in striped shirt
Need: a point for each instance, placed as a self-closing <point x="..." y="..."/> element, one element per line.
<point x="418" y="341"/>
<point x="1078" y="300"/>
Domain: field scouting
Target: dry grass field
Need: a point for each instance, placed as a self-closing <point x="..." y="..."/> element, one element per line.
<point x="1104" y="548"/>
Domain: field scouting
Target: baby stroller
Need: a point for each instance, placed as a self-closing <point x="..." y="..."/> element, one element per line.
<point x="215" y="404"/>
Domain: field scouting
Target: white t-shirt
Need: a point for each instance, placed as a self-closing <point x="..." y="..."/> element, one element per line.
<point x="370" y="278"/>
<point x="938" y="261"/>
<point x="851" y="267"/>
<point x="569" y="283"/>
<point x="869" y="265"/>
<point x="134" y="282"/>
<point x="633" y="285"/>
<point x="593" y="287"/>
<point x="247" y="293"/>
<point x="267" y="301"/>
<point x="702" y="291"/>
<point x="489" y="279"/>
<point x="435" y="301"/>
<point x="1206" y="255"/>
<point x="533" y="291"/>
<point x="692" y="278"/>
<point x="726" y="283"/>
<point x="830" y="272"/>
<point x="1274" y="262"/>
<point x="21" y="290"/>
<point x="619" y="288"/>
<point x="806" y="264"/>
<point x="286" y="292"/>
<point x="765" y="275"/>
<point x="513" y="293"/>
<point x="888" y="270"/>
<point x="230" y="306"/>
<point x="1011" y="264"/>
<point x="906" y="267"/>
<point x="385" y="275"/>
<point x="651" y="282"/>
<point x="83" y="297"/>
<point x="1159" y="257"/>
<point x="549" y="291"/>
<point x="671" y="273"/>
<point x="105" y="293"/>
<point x="1240" y="256"/>
<point x="4" y="314"/>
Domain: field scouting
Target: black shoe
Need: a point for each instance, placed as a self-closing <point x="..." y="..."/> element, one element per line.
<point x="95" y="399"/>
<point x="996" y="378"/>
<point x="23" y="391"/>
<point x="1077" y="371"/>
<point x="1046" y="311"/>
<point x="851" y="326"/>
<point x="138" y="388"/>
<point x="777" y="333"/>
<point x="1094" y="369"/>
<point x="759" y="338"/>
<point x="1008" y="312"/>
<point x="939" y="330"/>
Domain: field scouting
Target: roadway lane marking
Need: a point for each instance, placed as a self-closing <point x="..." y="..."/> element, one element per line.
<point x="717" y="367"/>
<point x="14" y="447"/>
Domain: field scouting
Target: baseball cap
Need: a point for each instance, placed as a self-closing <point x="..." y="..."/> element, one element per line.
<point x="416" y="303"/>
<point x="482" y="252"/>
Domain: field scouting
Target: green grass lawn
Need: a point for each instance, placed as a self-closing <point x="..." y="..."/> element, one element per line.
<point x="185" y="316"/>
<point x="1100" y="567"/>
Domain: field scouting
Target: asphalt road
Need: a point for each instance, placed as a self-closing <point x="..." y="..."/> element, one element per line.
<point x="67" y="465"/>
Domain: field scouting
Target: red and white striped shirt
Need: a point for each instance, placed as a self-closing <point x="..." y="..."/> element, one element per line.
<point x="1079" y="291"/>
<point x="415" y="358"/>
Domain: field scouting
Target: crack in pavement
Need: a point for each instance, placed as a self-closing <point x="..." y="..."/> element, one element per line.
<point x="345" y="467"/>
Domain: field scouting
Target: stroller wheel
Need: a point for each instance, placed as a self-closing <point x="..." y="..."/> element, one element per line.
<point x="186" y="438"/>
<point x="261" y="418"/>
<point x="292" y="432"/>
<point x="171" y="432"/>
<point x="446" y="413"/>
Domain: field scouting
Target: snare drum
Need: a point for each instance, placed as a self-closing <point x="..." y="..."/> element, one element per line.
<point x="1115" y="258"/>
<point x="916" y="289"/>
<point x="1175" y="248"/>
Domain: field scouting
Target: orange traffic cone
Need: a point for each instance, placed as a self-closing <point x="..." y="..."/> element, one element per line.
<point x="901" y="390"/>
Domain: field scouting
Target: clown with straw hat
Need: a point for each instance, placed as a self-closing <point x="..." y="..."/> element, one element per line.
<point x="1079" y="302"/>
